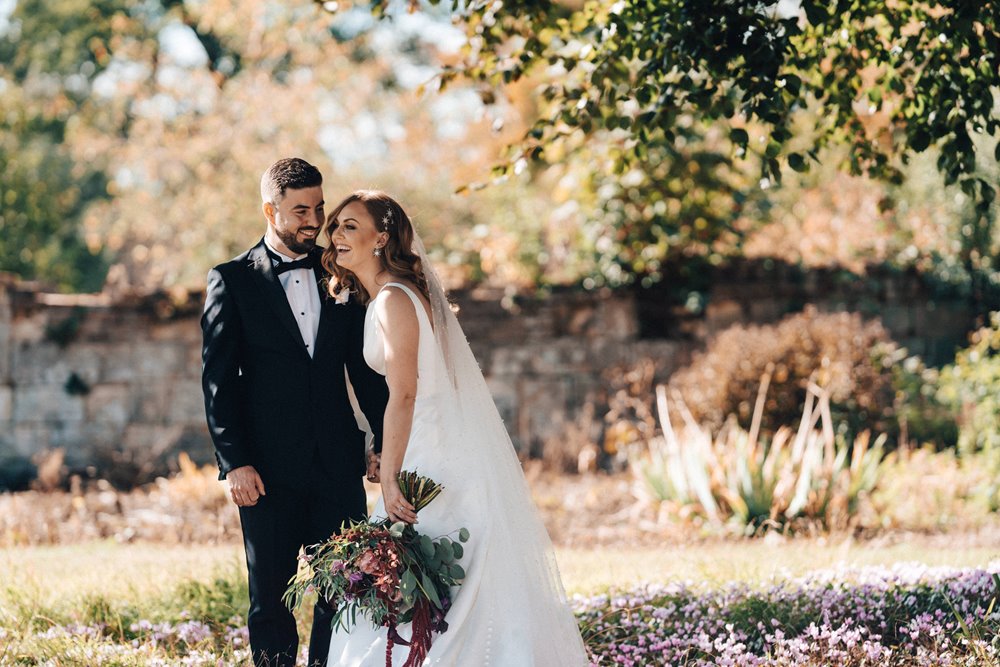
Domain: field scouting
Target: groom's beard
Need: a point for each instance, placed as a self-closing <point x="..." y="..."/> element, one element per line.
<point x="293" y="243"/>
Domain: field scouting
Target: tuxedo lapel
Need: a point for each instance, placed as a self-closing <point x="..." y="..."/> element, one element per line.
<point x="273" y="293"/>
<point x="326" y="306"/>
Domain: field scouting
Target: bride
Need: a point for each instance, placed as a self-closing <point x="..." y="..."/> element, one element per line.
<point x="440" y="421"/>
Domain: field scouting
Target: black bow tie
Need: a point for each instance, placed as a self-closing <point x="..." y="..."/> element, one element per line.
<point x="307" y="262"/>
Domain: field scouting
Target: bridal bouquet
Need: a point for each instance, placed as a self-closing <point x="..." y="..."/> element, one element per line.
<point x="389" y="573"/>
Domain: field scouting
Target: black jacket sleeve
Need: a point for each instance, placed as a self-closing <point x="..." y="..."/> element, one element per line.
<point x="369" y="386"/>
<point x="220" y="377"/>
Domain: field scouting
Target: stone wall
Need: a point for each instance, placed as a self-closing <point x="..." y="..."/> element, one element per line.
<point x="116" y="384"/>
<point x="929" y="319"/>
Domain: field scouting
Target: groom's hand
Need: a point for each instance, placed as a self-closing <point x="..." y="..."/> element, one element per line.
<point x="245" y="486"/>
<point x="374" y="461"/>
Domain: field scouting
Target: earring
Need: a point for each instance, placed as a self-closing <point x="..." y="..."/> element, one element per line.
<point x="377" y="251"/>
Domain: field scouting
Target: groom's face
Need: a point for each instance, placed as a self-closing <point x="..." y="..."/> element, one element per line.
<point x="297" y="218"/>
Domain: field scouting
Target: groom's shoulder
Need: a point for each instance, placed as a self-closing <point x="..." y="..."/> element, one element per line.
<point x="236" y="264"/>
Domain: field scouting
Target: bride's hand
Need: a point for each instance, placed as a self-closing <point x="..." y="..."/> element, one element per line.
<point x="397" y="507"/>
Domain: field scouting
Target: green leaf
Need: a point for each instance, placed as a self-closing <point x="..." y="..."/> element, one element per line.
<point x="431" y="591"/>
<point x="793" y="84"/>
<point x="443" y="553"/>
<point x="739" y="136"/>
<point x="463" y="535"/>
<point x="456" y="571"/>
<point x="989" y="194"/>
<point x="796" y="162"/>
<point x="426" y="546"/>
<point x="920" y="140"/>
<point x="408" y="583"/>
<point x="815" y="12"/>
<point x="457" y="549"/>
<point x="774" y="169"/>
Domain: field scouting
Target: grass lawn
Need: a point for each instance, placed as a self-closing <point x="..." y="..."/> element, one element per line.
<point x="52" y="598"/>
<point x="52" y="575"/>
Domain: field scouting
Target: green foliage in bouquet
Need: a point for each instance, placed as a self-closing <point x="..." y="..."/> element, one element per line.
<point x="387" y="572"/>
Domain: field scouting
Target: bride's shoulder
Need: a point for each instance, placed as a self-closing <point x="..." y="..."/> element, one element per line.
<point x="394" y="306"/>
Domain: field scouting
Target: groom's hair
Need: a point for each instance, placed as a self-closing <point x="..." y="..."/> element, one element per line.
<point x="289" y="173"/>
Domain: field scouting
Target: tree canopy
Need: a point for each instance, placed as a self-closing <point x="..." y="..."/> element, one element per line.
<point x="638" y="90"/>
<point x="133" y="133"/>
<point x="642" y="136"/>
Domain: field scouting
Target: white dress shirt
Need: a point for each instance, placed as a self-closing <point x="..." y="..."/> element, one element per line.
<point x="302" y="293"/>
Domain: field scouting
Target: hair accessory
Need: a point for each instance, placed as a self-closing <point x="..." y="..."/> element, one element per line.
<point x="387" y="219"/>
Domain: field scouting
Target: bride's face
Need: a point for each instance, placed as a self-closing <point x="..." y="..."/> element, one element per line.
<point x="354" y="237"/>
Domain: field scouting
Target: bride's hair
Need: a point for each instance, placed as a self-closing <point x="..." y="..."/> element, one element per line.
<point x="398" y="258"/>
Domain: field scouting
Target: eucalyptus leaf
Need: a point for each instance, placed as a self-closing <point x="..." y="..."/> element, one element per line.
<point x="431" y="591"/>
<point x="426" y="546"/>
<point x="408" y="582"/>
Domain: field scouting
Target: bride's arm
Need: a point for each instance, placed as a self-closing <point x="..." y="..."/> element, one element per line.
<point x="400" y="334"/>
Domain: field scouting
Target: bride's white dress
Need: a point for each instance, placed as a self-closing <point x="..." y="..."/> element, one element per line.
<point x="510" y="611"/>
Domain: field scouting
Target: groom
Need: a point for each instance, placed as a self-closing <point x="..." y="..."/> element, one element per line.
<point x="274" y="354"/>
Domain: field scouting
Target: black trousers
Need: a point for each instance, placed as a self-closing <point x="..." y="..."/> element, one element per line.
<point x="273" y="531"/>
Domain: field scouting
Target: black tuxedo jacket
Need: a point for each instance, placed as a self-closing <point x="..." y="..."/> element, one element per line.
<point x="270" y="404"/>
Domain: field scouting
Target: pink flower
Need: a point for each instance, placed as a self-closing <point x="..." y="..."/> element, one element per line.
<point x="367" y="563"/>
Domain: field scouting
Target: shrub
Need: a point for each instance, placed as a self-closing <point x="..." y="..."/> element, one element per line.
<point x="971" y="386"/>
<point x="839" y="352"/>
<point x="958" y="404"/>
<point x="630" y="420"/>
<point x="923" y="415"/>
<point x="927" y="490"/>
<point x="803" y="475"/>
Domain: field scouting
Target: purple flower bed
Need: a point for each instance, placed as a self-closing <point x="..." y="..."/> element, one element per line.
<point x="904" y="615"/>
<point x="907" y="615"/>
